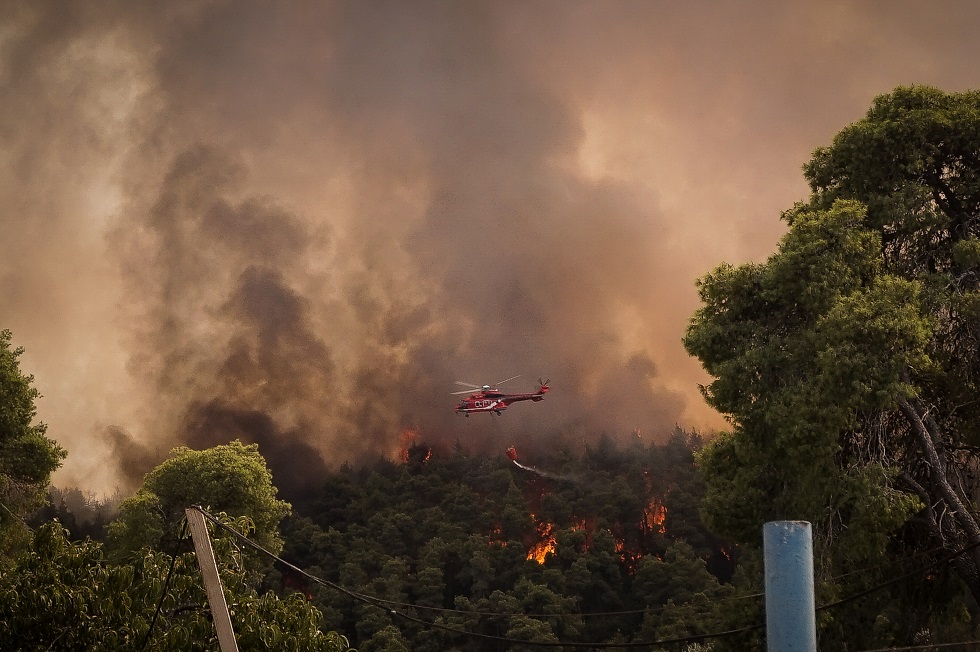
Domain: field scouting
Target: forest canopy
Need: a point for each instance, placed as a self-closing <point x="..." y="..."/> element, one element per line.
<point x="848" y="364"/>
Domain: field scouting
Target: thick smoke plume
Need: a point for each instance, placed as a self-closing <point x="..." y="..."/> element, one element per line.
<point x="298" y="224"/>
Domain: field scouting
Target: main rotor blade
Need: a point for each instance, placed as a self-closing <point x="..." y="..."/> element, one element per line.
<point x="460" y="382"/>
<point x="465" y="391"/>
<point x="511" y="378"/>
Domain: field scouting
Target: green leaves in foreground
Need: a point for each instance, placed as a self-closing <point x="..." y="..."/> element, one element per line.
<point x="60" y="595"/>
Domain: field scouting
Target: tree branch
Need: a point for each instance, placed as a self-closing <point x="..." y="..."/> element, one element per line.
<point x="926" y="429"/>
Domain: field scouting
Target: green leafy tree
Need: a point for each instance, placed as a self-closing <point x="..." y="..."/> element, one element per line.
<point x="27" y="456"/>
<point x="848" y="362"/>
<point x="680" y="593"/>
<point x="231" y="478"/>
<point x="60" y="595"/>
<point x="387" y="639"/>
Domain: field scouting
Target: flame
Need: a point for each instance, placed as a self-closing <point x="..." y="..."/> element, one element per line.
<point x="654" y="516"/>
<point x="494" y="539"/>
<point x="545" y="545"/>
<point x="407" y="438"/>
<point x="631" y="560"/>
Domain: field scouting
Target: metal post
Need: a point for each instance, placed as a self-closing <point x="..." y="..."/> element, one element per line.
<point x="790" y="608"/>
<point x="212" y="582"/>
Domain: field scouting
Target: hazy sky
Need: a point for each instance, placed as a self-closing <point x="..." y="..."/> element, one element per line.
<point x="299" y="223"/>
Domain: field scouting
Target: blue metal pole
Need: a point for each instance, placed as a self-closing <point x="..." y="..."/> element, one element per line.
<point x="790" y="616"/>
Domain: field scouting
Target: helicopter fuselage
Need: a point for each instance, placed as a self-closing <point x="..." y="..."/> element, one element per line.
<point x="494" y="401"/>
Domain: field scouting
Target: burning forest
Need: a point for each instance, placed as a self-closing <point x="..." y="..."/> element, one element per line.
<point x="472" y="533"/>
<point x="290" y="226"/>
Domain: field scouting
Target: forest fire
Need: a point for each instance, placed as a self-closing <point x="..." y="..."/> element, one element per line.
<point x="545" y="544"/>
<point x="495" y="539"/>
<point x="411" y="450"/>
<point x="407" y="438"/>
<point x="631" y="560"/>
<point x="654" y="516"/>
<point x="631" y="539"/>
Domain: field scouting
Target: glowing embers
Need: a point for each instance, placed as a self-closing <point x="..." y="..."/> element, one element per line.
<point x="654" y="515"/>
<point x="494" y="538"/>
<point x="407" y="438"/>
<point x="410" y="450"/>
<point x="545" y="543"/>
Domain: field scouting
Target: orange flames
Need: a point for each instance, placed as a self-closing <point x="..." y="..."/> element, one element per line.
<point x="409" y="449"/>
<point x="407" y="438"/>
<point x="494" y="538"/>
<point x="545" y="544"/>
<point x="654" y="516"/>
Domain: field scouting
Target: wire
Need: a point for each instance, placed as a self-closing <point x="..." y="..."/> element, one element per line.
<point x="900" y="578"/>
<point x="593" y="614"/>
<point x="378" y="602"/>
<point x="929" y="646"/>
<point x="375" y="602"/>
<point x="166" y="584"/>
<point x="897" y="562"/>
<point x="16" y="517"/>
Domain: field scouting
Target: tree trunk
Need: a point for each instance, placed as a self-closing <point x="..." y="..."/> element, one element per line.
<point x="962" y="530"/>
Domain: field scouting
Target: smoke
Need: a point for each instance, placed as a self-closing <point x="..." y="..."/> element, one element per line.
<point x="299" y="224"/>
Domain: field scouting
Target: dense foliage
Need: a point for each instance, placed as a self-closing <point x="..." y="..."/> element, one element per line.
<point x="60" y="595"/>
<point x="444" y="551"/>
<point x="605" y="545"/>
<point x="232" y="478"/>
<point x="848" y="364"/>
<point x="27" y="456"/>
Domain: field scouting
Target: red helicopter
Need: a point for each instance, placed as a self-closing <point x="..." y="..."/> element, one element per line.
<point x="487" y="398"/>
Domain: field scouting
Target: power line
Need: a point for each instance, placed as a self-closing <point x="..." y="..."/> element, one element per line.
<point x="166" y="585"/>
<point x="929" y="646"/>
<point x="593" y="614"/>
<point x="898" y="562"/>
<point x="375" y="602"/>
<point x="379" y="603"/>
<point x="17" y="517"/>
<point x="900" y="578"/>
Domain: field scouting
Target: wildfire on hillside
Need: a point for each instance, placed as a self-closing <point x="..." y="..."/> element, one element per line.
<point x="545" y="544"/>
<point x="411" y="450"/>
<point x="495" y="539"/>
<point x="630" y="541"/>
<point x="654" y="515"/>
<point x="407" y="438"/>
<point x="631" y="559"/>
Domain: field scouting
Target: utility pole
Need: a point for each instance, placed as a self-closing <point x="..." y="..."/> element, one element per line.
<point x="790" y="606"/>
<point x="212" y="582"/>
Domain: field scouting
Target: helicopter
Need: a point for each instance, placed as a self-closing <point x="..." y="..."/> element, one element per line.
<point x="487" y="398"/>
